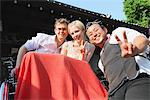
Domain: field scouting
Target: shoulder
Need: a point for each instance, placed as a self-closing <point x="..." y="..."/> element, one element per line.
<point x="127" y="30"/>
<point x="67" y="43"/>
<point x="43" y="35"/>
<point x="130" y="33"/>
<point x="89" y="45"/>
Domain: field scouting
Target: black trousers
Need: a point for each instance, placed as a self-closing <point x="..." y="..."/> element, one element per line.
<point x="136" y="89"/>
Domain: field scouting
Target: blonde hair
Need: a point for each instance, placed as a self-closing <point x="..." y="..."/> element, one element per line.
<point x="61" y="21"/>
<point x="78" y="24"/>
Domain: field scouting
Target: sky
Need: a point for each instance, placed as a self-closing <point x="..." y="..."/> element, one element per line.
<point x="108" y="7"/>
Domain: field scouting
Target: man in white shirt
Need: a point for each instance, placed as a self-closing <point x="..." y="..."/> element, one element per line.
<point x="127" y="72"/>
<point x="44" y="43"/>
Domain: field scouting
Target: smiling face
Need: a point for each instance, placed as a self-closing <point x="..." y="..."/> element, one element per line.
<point x="61" y="31"/>
<point x="77" y="30"/>
<point x="76" y="33"/>
<point x="96" y="34"/>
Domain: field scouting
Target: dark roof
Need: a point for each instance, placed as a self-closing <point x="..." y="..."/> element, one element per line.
<point x="22" y="19"/>
<point x="27" y="16"/>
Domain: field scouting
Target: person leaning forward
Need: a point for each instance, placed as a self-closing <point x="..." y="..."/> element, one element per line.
<point x="44" y="43"/>
<point x="123" y="62"/>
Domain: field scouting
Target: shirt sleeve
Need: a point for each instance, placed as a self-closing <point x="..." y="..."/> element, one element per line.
<point x="130" y="33"/>
<point x="34" y="43"/>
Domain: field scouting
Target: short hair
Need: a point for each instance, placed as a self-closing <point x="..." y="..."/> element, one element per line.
<point x="61" y="21"/>
<point x="78" y="24"/>
<point x="94" y="22"/>
<point x="100" y="23"/>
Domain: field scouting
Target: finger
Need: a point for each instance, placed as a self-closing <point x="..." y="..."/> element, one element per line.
<point x="82" y="42"/>
<point x="125" y="36"/>
<point x="130" y="48"/>
<point x="118" y="40"/>
<point x="124" y="53"/>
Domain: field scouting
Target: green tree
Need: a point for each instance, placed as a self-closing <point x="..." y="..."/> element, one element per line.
<point x="137" y="11"/>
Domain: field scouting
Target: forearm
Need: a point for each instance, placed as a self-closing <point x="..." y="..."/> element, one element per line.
<point x="140" y="43"/>
<point x="22" y="51"/>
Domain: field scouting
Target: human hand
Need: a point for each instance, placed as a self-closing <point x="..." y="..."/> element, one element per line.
<point x="14" y="71"/>
<point x="82" y="50"/>
<point x="127" y="49"/>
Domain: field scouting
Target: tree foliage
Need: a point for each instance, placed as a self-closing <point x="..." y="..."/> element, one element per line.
<point x="137" y="11"/>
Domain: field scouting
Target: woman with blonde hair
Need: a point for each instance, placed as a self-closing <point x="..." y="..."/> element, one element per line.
<point x="78" y="48"/>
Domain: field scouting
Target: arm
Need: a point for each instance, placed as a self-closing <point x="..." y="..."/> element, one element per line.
<point x="22" y="51"/>
<point x="131" y="49"/>
<point x="140" y="43"/>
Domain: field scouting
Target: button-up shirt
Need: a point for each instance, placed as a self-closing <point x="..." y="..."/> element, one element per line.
<point x="43" y="43"/>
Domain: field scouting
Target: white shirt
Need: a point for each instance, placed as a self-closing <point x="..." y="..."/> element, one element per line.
<point x="144" y="64"/>
<point x="43" y="43"/>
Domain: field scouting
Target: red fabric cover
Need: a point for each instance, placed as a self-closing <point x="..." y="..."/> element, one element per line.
<point x="57" y="77"/>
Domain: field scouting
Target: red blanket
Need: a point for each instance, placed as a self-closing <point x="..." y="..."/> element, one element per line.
<point x="57" y="77"/>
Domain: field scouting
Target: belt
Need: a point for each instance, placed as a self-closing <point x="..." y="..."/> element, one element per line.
<point x="143" y="75"/>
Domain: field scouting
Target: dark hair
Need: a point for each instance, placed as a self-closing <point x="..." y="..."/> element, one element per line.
<point x="94" y="22"/>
